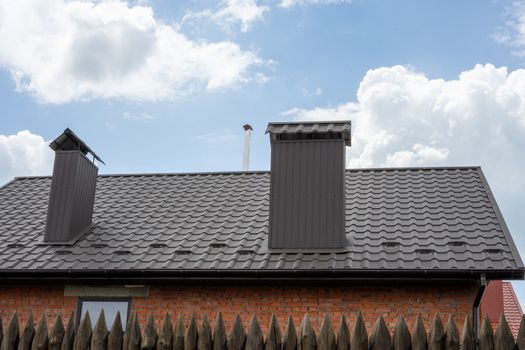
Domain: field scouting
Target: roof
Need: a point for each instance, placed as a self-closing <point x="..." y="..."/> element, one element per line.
<point x="425" y="221"/>
<point x="326" y="127"/>
<point x="500" y="298"/>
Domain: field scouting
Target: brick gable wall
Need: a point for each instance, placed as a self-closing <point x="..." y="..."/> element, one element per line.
<point x="390" y="300"/>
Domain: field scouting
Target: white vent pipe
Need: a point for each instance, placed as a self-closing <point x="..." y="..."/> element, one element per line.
<point x="246" y="154"/>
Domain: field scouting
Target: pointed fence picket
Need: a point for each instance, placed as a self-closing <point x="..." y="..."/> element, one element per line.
<point x="199" y="335"/>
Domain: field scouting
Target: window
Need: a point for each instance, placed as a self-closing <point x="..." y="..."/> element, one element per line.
<point x="110" y="307"/>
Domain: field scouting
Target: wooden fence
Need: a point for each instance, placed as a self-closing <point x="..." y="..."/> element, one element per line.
<point x="201" y="337"/>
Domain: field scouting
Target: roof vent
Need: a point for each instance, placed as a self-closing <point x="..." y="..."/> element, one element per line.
<point x="183" y="252"/>
<point x="122" y="252"/>
<point x="158" y="245"/>
<point x="72" y="195"/>
<point x="218" y="245"/>
<point x="307" y="185"/>
<point x="245" y="251"/>
<point x="493" y="251"/>
<point x="15" y="245"/>
<point x="99" y="245"/>
<point x="63" y="252"/>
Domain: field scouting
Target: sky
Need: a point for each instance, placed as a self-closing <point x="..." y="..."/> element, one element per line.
<point x="165" y="86"/>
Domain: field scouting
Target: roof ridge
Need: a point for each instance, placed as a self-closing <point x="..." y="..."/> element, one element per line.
<point x="240" y="172"/>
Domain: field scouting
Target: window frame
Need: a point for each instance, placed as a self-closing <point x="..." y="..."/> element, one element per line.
<point x="108" y="299"/>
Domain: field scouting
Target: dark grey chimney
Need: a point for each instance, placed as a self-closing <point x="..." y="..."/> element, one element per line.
<point x="307" y="186"/>
<point x="73" y="187"/>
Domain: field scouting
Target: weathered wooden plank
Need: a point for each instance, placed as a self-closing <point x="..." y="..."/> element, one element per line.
<point x="380" y="336"/>
<point x="359" y="340"/>
<point x="274" y="340"/>
<point x="486" y="335"/>
<point x="57" y="334"/>
<point x="402" y="339"/>
<point x="451" y="335"/>
<point x="467" y="336"/>
<point x="41" y="338"/>
<point x="83" y="336"/>
<point x="205" y="341"/>
<point x="1" y="329"/>
<point x="237" y="338"/>
<point x="165" y="339"/>
<point x="11" y="335"/>
<point x="307" y="336"/>
<point x="178" y="336"/>
<point x="115" y="335"/>
<point x="327" y="339"/>
<point x="520" y="339"/>
<point x="290" y="335"/>
<point x="149" y="338"/>
<point x="69" y="336"/>
<point x="419" y="337"/>
<point x="220" y="339"/>
<point x="129" y="326"/>
<point x="343" y="335"/>
<point x="99" y="336"/>
<point x="26" y="337"/>
<point x="503" y="339"/>
<point x="254" y="338"/>
<point x="135" y="334"/>
<point x="190" y="338"/>
<point x="436" y="336"/>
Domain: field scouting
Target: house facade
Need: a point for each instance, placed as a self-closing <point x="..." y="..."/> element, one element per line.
<point x="308" y="236"/>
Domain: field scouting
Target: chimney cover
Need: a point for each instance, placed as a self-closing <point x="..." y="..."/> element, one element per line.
<point x="311" y="130"/>
<point x="69" y="141"/>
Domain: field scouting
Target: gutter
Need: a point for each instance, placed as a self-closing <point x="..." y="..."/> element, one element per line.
<point x="163" y="275"/>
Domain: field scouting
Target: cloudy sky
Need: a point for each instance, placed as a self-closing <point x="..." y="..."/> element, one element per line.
<point x="162" y="86"/>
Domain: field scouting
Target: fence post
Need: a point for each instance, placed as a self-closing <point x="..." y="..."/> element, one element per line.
<point x="503" y="340"/>
<point x="99" y="338"/>
<point x="57" y="334"/>
<point x="11" y="336"/>
<point x="27" y="334"/>
<point x="115" y="335"/>
<point x="436" y="336"/>
<point x="220" y="339"/>
<point x="468" y="335"/>
<point x="451" y="335"/>
<point x="343" y="335"/>
<point x="274" y="337"/>
<point x="419" y="338"/>
<point x="520" y="339"/>
<point x="237" y="338"/>
<point x="308" y="339"/>
<point x="326" y="339"/>
<point x="359" y="340"/>
<point x="165" y="340"/>
<point x="380" y="337"/>
<point x="83" y="336"/>
<point x="254" y="338"/>
<point x="290" y="335"/>
<point x="205" y="341"/>
<point x="69" y="337"/>
<point x="134" y="334"/>
<point x="486" y="335"/>
<point x="178" y="336"/>
<point x="401" y="339"/>
<point x="40" y="340"/>
<point x="149" y="339"/>
<point x="190" y="338"/>
<point x="129" y="326"/>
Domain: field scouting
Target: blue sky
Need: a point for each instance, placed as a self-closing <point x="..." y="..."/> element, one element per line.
<point x="162" y="86"/>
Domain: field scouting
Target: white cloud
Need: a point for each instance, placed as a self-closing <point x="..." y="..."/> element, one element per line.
<point x="24" y="154"/>
<point x="513" y="32"/>
<point x="232" y="12"/>
<point x="292" y="3"/>
<point x="403" y="118"/>
<point x="62" y="51"/>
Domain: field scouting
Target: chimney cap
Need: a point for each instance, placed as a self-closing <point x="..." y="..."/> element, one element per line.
<point x="247" y="127"/>
<point x="339" y="129"/>
<point x="68" y="141"/>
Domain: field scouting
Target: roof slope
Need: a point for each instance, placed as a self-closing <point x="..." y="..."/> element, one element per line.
<point x="396" y="219"/>
<point x="511" y="308"/>
<point x="499" y="298"/>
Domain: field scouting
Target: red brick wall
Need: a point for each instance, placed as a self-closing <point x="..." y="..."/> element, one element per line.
<point x="389" y="301"/>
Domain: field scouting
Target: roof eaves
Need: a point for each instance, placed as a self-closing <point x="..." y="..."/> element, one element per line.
<point x="501" y="220"/>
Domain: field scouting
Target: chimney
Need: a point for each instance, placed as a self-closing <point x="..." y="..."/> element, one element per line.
<point x="73" y="185"/>
<point x="246" y="153"/>
<point x="307" y="185"/>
